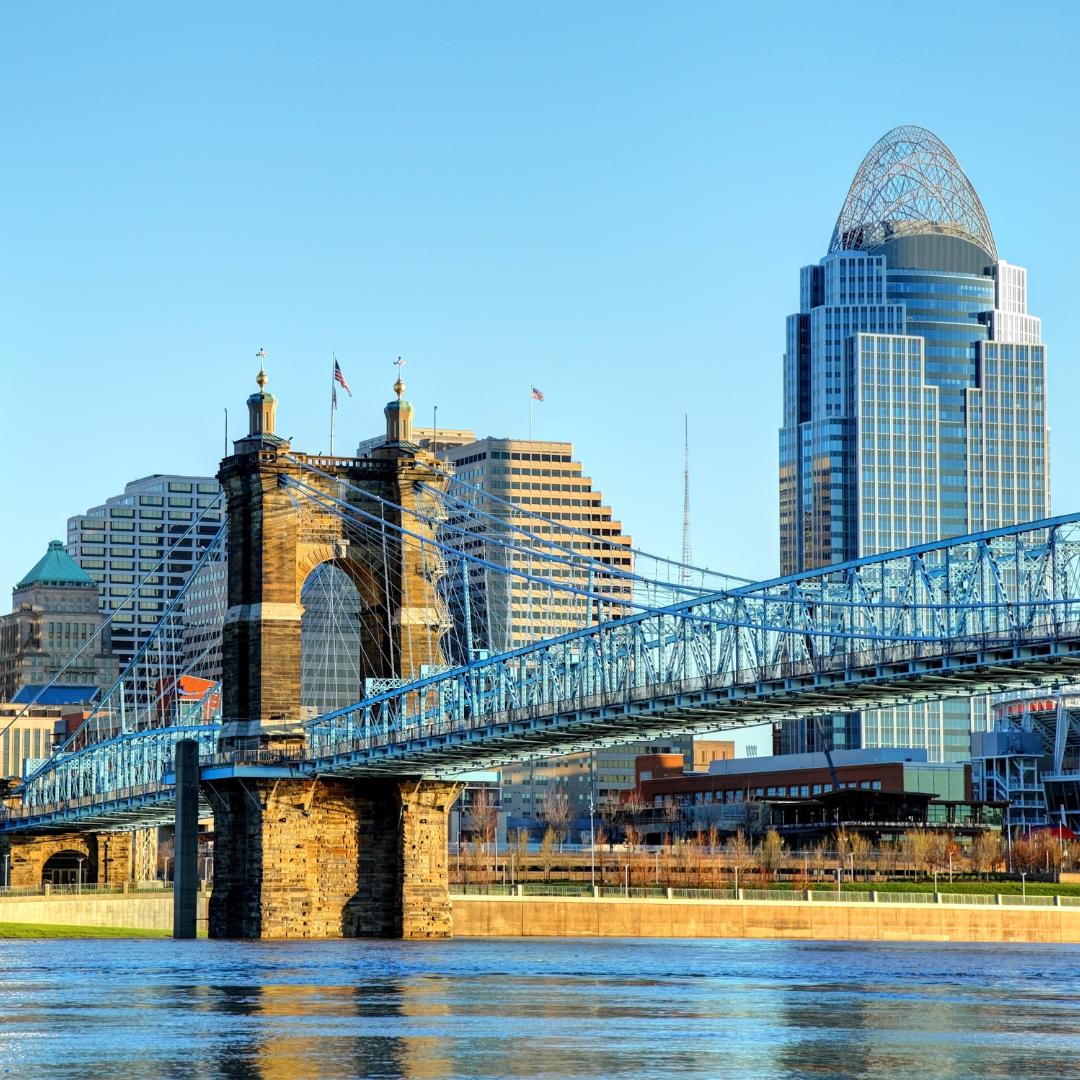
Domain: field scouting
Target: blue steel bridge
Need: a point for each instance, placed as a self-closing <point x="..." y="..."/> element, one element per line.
<point x="656" y="656"/>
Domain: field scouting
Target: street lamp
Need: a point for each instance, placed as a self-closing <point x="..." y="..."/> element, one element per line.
<point x="592" y="846"/>
<point x="80" y="874"/>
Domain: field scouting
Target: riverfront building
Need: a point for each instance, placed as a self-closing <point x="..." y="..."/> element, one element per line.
<point x="1031" y="758"/>
<point x="914" y="399"/>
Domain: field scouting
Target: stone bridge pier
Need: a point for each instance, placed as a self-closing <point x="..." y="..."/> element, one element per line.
<point x="330" y="858"/>
<point x="325" y="856"/>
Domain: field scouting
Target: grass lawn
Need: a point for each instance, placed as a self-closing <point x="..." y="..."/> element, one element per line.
<point x="60" y="930"/>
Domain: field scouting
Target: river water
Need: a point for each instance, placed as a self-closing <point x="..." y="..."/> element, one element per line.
<point x="537" y="1008"/>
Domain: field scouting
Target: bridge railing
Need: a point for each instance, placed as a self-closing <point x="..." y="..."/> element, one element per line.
<point x="124" y="769"/>
<point x="1008" y="588"/>
<point x="489" y="694"/>
<point x="880" y="618"/>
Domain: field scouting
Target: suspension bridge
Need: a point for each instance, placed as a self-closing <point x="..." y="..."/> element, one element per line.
<point x="436" y="579"/>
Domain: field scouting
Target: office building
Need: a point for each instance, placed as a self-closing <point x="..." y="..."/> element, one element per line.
<point x="143" y="539"/>
<point x="531" y="494"/>
<point x="433" y="439"/>
<point x="884" y="793"/>
<point x="914" y="399"/>
<point x="50" y="633"/>
<point x="596" y="779"/>
<point x="205" y="604"/>
<point x="27" y="733"/>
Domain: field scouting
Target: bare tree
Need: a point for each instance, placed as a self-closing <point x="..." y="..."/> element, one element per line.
<point x="558" y="814"/>
<point x="631" y="811"/>
<point x="770" y="853"/>
<point x="672" y="818"/>
<point x="916" y="847"/>
<point x="482" y="818"/>
<point x="740" y="854"/>
<point x="547" y="852"/>
<point x="859" y="846"/>
<point x="986" y="852"/>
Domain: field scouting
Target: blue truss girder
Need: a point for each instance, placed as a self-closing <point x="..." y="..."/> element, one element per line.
<point x="965" y="616"/>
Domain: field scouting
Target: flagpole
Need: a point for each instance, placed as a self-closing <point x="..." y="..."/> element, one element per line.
<point x="530" y="413"/>
<point x="333" y="396"/>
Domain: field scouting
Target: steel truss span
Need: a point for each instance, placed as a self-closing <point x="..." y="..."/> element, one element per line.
<point x="971" y="615"/>
<point x="909" y="183"/>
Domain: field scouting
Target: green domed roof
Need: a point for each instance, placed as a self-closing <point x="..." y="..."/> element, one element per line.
<point x="56" y="567"/>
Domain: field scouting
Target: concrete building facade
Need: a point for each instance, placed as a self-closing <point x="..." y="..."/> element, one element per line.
<point x="142" y="541"/>
<point x="54" y="615"/>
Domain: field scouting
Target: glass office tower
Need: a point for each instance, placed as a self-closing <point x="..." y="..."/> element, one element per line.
<point x="914" y="397"/>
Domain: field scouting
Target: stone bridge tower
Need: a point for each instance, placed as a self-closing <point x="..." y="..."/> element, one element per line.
<point x="323" y="857"/>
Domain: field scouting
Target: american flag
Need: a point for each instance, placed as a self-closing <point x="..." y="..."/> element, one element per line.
<point x="536" y="395"/>
<point x="339" y="378"/>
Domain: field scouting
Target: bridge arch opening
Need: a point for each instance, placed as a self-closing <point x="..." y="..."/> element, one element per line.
<point x="332" y="663"/>
<point x="69" y="867"/>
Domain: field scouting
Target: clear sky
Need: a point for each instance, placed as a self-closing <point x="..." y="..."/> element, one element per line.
<point x="610" y="201"/>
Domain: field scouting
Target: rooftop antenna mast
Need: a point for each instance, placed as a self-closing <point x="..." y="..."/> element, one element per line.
<point x="687" y="555"/>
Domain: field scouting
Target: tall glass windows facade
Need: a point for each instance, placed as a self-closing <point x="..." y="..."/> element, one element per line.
<point x="914" y="409"/>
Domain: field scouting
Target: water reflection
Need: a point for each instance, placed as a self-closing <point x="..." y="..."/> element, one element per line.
<point x="130" y="1010"/>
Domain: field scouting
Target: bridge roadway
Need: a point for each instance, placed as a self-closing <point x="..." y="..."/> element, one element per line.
<point x="968" y="616"/>
<point x="450" y="747"/>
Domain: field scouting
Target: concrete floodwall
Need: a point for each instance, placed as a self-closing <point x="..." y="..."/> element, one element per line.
<point x="500" y="916"/>
<point x="139" y="911"/>
<point x="550" y="916"/>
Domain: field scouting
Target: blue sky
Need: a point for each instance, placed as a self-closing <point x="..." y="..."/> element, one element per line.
<point x="609" y="201"/>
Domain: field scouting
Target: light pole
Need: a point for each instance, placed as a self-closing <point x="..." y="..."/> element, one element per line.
<point x="592" y="846"/>
<point x="7" y="871"/>
<point x="1023" y="884"/>
<point x="80" y="874"/>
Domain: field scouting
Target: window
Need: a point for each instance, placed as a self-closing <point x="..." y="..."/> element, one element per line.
<point x="877" y="785"/>
<point x="180" y="487"/>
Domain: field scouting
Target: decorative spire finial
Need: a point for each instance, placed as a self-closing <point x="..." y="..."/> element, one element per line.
<point x="399" y="386"/>
<point x="261" y="377"/>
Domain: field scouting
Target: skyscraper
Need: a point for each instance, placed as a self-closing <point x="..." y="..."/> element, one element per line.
<point x="540" y="491"/>
<point x="125" y="537"/>
<point x="914" y="392"/>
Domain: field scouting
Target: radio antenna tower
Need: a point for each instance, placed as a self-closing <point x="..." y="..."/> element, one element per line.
<point x="687" y="554"/>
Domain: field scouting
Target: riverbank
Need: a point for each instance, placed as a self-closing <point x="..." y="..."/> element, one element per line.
<point x="14" y="931"/>
<point x="149" y="911"/>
